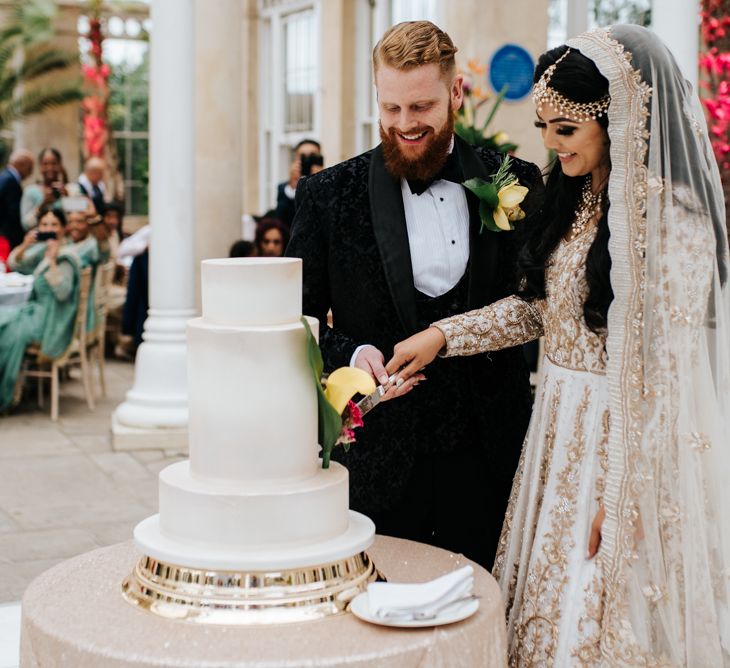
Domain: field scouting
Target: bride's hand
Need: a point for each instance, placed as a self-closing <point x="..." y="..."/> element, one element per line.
<point x="595" y="539"/>
<point x="411" y="355"/>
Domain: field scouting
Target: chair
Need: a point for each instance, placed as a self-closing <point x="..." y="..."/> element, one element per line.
<point x="96" y="339"/>
<point x="37" y="365"/>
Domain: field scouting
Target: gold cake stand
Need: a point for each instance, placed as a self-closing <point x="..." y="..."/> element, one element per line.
<point x="247" y="597"/>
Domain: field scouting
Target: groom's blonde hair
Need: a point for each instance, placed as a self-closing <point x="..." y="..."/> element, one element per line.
<point x="415" y="43"/>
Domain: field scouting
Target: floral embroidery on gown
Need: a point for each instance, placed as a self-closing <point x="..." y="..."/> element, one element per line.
<point x="553" y="592"/>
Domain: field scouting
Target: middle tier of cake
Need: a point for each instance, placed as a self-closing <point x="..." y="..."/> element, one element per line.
<point x="253" y="403"/>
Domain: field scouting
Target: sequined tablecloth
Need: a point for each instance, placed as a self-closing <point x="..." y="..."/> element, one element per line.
<point x="74" y="615"/>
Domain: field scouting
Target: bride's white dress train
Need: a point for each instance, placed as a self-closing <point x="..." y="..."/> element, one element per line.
<point x="553" y="591"/>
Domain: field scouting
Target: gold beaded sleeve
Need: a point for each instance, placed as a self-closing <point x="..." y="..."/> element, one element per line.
<point x="508" y="322"/>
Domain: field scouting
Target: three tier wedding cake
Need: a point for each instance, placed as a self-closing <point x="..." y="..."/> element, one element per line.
<point x="252" y="502"/>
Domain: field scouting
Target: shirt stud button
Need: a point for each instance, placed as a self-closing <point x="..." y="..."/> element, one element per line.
<point x="441" y="198"/>
<point x="453" y="241"/>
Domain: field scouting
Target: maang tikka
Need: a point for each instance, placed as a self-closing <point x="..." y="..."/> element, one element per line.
<point x="576" y="111"/>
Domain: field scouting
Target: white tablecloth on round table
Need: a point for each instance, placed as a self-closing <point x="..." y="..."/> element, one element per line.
<point x="15" y="289"/>
<point x="74" y="615"/>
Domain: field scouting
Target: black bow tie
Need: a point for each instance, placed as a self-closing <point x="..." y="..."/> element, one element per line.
<point x="451" y="171"/>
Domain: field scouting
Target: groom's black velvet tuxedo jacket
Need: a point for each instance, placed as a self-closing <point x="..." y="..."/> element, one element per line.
<point x="350" y="231"/>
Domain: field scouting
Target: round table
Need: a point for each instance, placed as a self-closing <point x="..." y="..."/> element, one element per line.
<point x="74" y="615"/>
<point x="15" y="289"/>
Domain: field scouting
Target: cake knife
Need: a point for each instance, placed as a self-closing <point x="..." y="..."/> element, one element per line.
<point x="370" y="401"/>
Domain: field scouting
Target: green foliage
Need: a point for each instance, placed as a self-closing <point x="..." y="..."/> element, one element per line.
<point x="26" y="55"/>
<point x="330" y="421"/>
<point x="128" y="113"/>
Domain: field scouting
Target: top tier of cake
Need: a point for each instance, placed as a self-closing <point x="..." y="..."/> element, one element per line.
<point x="252" y="292"/>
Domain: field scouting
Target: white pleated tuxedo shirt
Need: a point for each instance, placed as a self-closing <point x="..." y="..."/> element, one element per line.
<point x="437" y="221"/>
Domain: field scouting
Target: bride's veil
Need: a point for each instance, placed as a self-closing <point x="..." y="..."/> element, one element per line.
<point x="666" y="537"/>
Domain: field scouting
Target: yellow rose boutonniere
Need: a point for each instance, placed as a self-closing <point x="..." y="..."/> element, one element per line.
<point x="500" y="199"/>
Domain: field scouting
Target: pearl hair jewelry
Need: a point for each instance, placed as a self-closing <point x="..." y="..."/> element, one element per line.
<point x="576" y="111"/>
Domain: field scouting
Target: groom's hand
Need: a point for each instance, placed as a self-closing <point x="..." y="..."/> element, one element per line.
<point x="371" y="360"/>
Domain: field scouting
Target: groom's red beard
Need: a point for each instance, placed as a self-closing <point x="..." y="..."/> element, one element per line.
<point x="425" y="166"/>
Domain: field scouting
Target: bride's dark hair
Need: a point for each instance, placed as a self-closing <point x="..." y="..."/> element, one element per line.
<point x="578" y="79"/>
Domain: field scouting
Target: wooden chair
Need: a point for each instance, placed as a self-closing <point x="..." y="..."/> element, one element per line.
<point x="96" y="339"/>
<point x="37" y="365"/>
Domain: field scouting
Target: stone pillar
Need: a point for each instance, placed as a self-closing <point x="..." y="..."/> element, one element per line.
<point x="577" y="22"/>
<point x="155" y="412"/>
<point x="219" y="41"/>
<point x="337" y="80"/>
<point x="677" y="22"/>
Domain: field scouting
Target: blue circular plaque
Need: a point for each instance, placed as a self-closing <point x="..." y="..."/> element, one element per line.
<point x="512" y="66"/>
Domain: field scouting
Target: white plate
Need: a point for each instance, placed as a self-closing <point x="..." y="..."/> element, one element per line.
<point x="360" y="607"/>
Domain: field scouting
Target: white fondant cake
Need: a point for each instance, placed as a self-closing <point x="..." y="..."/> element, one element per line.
<point x="253" y="495"/>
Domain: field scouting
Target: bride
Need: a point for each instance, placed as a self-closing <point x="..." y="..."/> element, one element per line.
<point x="616" y="546"/>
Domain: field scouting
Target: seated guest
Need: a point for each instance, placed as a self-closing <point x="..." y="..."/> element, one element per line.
<point x="49" y="315"/>
<point x="48" y="191"/>
<point x="91" y="184"/>
<point x="272" y="236"/>
<point x="113" y="219"/>
<point x="242" y="248"/>
<point x="136" y="304"/>
<point x="90" y="241"/>
<point x="20" y="167"/>
<point x="307" y="160"/>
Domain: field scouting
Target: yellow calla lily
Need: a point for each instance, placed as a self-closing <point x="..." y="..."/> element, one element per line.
<point x="512" y="195"/>
<point x="344" y="383"/>
<point x="501" y="220"/>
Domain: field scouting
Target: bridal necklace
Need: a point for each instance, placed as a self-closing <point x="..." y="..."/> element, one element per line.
<point x="589" y="206"/>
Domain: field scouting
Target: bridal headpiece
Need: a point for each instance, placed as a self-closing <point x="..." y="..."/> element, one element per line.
<point x="580" y="112"/>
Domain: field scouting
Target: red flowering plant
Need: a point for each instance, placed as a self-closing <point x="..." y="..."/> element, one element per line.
<point x="96" y="76"/>
<point x="715" y="71"/>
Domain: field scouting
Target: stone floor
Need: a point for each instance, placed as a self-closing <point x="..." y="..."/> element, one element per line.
<point x="63" y="490"/>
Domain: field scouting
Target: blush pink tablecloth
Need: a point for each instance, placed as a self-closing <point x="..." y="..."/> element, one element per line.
<point x="74" y="615"/>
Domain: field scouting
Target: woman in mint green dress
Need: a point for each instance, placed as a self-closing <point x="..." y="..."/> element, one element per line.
<point x="89" y="238"/>
<point x="49" y="315"/>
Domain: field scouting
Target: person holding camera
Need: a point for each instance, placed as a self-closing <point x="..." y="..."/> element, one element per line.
<point x="47" y="192"/>
<point x="308" y="160"/>
<point x="48" y="316"/>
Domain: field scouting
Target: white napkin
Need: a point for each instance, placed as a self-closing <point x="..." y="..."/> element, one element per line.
<point x="388" y="600"/>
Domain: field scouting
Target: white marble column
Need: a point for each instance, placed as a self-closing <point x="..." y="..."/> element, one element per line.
<point x="155" y="412"/>
<point x="677" y="22"/>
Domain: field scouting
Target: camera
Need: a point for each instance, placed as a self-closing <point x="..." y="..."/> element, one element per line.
<point x="308" y="161"/>
<point x="45" y="236"/>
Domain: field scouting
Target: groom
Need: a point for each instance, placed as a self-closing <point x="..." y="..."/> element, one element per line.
<point x="390" y="242"/>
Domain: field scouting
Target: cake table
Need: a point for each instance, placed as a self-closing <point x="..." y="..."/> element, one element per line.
<point x="74" y="615"/>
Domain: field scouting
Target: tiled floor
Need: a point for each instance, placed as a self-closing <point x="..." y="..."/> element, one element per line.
<point x="63" y="491"/>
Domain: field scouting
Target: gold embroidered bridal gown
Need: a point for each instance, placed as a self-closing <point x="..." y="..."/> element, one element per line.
<point x="552" y="590"/>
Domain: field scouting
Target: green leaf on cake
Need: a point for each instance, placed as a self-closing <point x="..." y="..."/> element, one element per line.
<point x="329" y="420"/>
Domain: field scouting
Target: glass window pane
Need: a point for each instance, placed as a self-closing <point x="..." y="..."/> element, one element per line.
<point x="413" y="10"/>
<point x="139" y="120"/>
<point x="300" y="75"/>
<point x="140" y="161"/>
<point x="122" y="155"/>
<point x="138" y="200"/>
